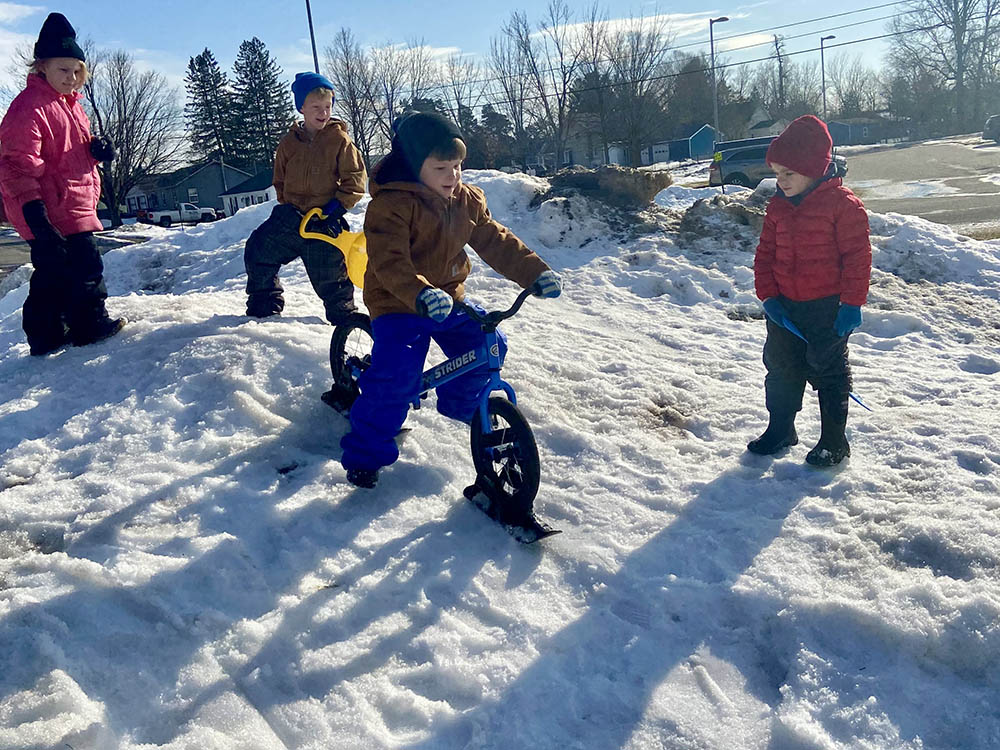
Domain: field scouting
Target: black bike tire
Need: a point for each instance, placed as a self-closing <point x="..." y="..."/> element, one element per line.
<point x="342" y="347"/>
<point x="516" y="477"/>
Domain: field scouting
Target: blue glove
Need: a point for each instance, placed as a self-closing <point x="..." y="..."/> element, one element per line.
<point x="548" y="284"/>
<point x="335" y="223"/>
<point x="776" y="311"/>
<point x="848" y="318"/>
<point x="334" y="209"/>
<point x="434" y="303"/>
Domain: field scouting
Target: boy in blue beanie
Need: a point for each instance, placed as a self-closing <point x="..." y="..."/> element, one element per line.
<point x="316" y="165"/>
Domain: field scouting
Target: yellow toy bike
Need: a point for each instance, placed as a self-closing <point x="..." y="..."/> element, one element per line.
<point x="351" y="244"/>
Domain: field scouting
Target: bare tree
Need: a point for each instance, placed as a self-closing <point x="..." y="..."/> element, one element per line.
<point x="421" y="69"/>
<point x="553" y="58"/>
<point x="463" y="85"/>
<point x="350" y="71"/>
<point x="940" y="36"/>
<point x="512" y="84"/>
<point x="17" y="69"/>
<point x="803" y="91"/>
<point x="141" y="114"/>
<point x="399" y="74"/>
<point x="638" y="54"/>
<point x="855" y="85"/>
<point x="593" y="94"/>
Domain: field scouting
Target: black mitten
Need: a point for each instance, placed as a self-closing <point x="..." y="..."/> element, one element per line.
<point x="37" y="219"/>
<point x="102" y="149"/>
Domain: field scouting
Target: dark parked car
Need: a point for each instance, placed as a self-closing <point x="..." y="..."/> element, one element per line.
<point x="746" y="166"/>
<point x="991" y="131"/>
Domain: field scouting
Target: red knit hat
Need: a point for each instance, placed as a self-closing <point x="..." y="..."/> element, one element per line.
<point x="804" y="147"/>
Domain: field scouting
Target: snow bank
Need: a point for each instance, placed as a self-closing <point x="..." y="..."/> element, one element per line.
<point x="182" y="563"/>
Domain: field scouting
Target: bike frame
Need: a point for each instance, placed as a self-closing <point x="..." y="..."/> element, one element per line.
<point x="456" y="367"/>
<point x="474" y="359"/>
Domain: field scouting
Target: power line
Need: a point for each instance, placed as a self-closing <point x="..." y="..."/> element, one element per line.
<point x="665" y="76"/>
<point x="493" y="79"/>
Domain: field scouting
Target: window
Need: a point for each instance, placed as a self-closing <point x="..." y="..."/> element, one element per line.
<point x="193" y="195"/>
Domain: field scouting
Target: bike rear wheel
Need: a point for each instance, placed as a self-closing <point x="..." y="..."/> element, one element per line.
<point x="350" y="355"/>
<point x="506" y="456"/>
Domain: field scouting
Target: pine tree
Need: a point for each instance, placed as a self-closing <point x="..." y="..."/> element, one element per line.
<point x="263" y="103"/>
<point x="209" y="109"/>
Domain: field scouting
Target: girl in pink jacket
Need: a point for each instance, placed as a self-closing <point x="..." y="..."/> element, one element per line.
<point x="50" y="186"/>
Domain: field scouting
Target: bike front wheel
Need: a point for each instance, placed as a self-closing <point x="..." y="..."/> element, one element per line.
<point x="505" y="454"/>
<point x="350" y="355"/>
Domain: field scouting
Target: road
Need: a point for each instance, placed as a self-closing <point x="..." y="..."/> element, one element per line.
<point x="14" y="251"/>
<point x="953" y="181"/>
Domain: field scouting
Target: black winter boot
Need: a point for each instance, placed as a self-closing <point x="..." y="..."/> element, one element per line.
<point x="104" y="329"/>
<point x="780" y="433"/>
<point x="366" y="479"/>
<point x="832" y="447"/>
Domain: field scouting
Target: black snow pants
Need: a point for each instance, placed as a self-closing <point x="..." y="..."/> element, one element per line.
<point x="791" y="362"/>
<point x="276" y="242"/>
<point x="66" y="293"/>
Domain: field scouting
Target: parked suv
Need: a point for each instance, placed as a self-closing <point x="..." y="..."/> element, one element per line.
<point x="739" y="166"/>
<point x="745" y="166"/>
<point x="991" y="131"/>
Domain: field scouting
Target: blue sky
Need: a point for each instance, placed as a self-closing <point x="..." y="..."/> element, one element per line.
<point x="163" y="36"/>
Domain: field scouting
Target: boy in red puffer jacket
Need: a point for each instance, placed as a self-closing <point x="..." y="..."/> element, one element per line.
<point x="811" y="270"/>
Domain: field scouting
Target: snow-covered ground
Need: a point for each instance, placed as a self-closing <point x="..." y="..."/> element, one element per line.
<point x="183" y="565"/>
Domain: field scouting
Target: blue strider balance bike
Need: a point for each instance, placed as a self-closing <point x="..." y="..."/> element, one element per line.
<point x="503" y="446"/>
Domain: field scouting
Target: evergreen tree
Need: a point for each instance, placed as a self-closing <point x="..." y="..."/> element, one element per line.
<point x="498" y="144"/>
<point x="209" y="113"/>
<point x="690" y="103"/>
<point x="263" y="103"/>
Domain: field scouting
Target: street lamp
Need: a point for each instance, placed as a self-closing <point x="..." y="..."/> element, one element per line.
<point x="312" y="36"/>
<point x="715" y="83"/>
<point x="822" y="69"/>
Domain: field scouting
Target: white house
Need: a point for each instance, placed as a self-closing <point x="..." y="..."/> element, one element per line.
<point x="764" y="128"/>
<point x="258" y="189"/>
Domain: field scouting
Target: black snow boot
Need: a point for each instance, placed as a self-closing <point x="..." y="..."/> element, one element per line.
<point x="366" y="479"/>
<point x="103" y="329"/>
<point x="780" y="433"/>
<point x="832" y="447"/>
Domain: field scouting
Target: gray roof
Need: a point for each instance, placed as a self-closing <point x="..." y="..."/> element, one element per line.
<point x="256" y="184"/>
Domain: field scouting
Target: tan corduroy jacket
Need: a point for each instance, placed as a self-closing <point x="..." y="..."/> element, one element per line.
<point x="308" y="173"/>
<point x="416" y="238"/>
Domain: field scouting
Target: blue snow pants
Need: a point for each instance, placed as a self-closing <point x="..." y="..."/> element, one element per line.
<point x="401" y="341"/>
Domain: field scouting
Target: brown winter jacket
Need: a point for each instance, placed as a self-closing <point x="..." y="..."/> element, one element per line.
<point x="416" y="239"/>
<point x="308" y="173"/>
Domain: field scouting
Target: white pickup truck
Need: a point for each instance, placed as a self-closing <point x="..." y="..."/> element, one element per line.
<point x="184" y="212"/>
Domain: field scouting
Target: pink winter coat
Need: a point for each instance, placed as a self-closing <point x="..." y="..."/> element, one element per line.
<point x="45" y="153"/>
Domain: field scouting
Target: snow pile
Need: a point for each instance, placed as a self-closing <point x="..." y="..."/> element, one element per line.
<point x="183" y="565"/>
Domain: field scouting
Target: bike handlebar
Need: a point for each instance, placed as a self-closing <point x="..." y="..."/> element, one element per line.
<point x="491" y="320"/>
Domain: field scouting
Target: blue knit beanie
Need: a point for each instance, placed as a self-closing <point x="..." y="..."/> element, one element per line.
<point x="306" y="82"/>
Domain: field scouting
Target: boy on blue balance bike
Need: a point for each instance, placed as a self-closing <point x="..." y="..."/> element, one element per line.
<point x="417" y="226"/>
<point x="503" y="447"/>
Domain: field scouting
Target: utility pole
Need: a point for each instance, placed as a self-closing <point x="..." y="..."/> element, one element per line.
<point x="715" y="82"/>
<point x="822" y="69"/>
<point x="781" y="72"/>
<point x="312" y="36"/>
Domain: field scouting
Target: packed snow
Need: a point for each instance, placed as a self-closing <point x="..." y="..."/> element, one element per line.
<point x="183" y="565"/>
